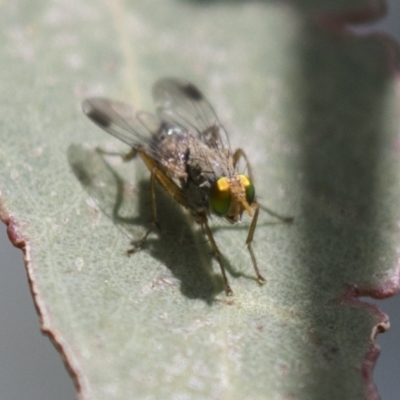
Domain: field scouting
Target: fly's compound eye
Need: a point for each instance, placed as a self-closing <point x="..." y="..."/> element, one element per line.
<point x="249" y="187"/>
<point x="220" y="196"/>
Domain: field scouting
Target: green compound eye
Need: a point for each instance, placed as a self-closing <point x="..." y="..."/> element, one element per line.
<point x="249" y="187"/>
<point x="220" y="196"/>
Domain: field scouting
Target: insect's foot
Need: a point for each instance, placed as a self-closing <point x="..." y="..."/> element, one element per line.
<point x="135" y="248"/>
<point x="261" y="280"/>
<point x="228" y="291"/>
<point x="137" y="245"/>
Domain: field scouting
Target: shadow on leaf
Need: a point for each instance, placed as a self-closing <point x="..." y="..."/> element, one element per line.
<point x="177" y="245"/>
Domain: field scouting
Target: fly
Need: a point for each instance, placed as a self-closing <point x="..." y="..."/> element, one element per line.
<point x="187" y="152"/>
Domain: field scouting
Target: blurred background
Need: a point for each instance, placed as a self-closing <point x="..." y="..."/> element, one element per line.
<point x="32" y="369"/>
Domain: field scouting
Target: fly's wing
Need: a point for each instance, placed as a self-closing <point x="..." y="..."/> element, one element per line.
<point x="181" y="103"/>
<point x="120" y="120"/>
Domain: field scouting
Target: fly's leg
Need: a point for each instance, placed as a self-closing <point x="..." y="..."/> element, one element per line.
<point x="130" y="155"/>
<point x="236" y="157"/>
<point x="154" y="222"/>
<point x="249" y="240"/>
<point x="168" y="184"/>
<point x="164" y="180"/>
<point x="217" y="254"/>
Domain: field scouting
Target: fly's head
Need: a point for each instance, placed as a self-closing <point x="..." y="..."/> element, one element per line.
<point x="230" y="197"/>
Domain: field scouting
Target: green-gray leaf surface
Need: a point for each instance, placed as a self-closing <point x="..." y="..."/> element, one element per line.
<point x="316" y="110"/>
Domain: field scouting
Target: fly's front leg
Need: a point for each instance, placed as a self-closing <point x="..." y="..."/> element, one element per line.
<point x="239" y="153"/>
<point x="236" y="157"/>
<point x="154" y="221"/>
<point x="249" y="241"/>
<point x="217" y="254"/>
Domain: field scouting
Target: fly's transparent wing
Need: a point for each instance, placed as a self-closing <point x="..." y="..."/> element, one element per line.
<point x="181" y="103"/>
<point x="141" y="130"/>
<point x="120" y="120"/>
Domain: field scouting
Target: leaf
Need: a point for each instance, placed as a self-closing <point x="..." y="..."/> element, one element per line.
<point x="316" y="111"/>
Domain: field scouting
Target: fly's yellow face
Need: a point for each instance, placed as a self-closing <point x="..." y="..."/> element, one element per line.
<point x="230" y="197"/>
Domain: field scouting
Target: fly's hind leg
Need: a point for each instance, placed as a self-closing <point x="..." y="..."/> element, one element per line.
<point x="217" y="254"/>
<point x="157" y="174"/>
<point x="261" y="280"/>
<point x="154" y="222"/>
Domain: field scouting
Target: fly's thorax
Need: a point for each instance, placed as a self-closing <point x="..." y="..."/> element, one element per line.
<point x="205" y="164"/>
<point x="203" y="167"/>
<point x="230" y="197"/>
<point x="172" y="147"/>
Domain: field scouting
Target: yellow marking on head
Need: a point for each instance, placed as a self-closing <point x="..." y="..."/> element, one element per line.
<point x="223" y="184"/>
<point x="220" y="196"/>
<point x="244" y="180"/>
